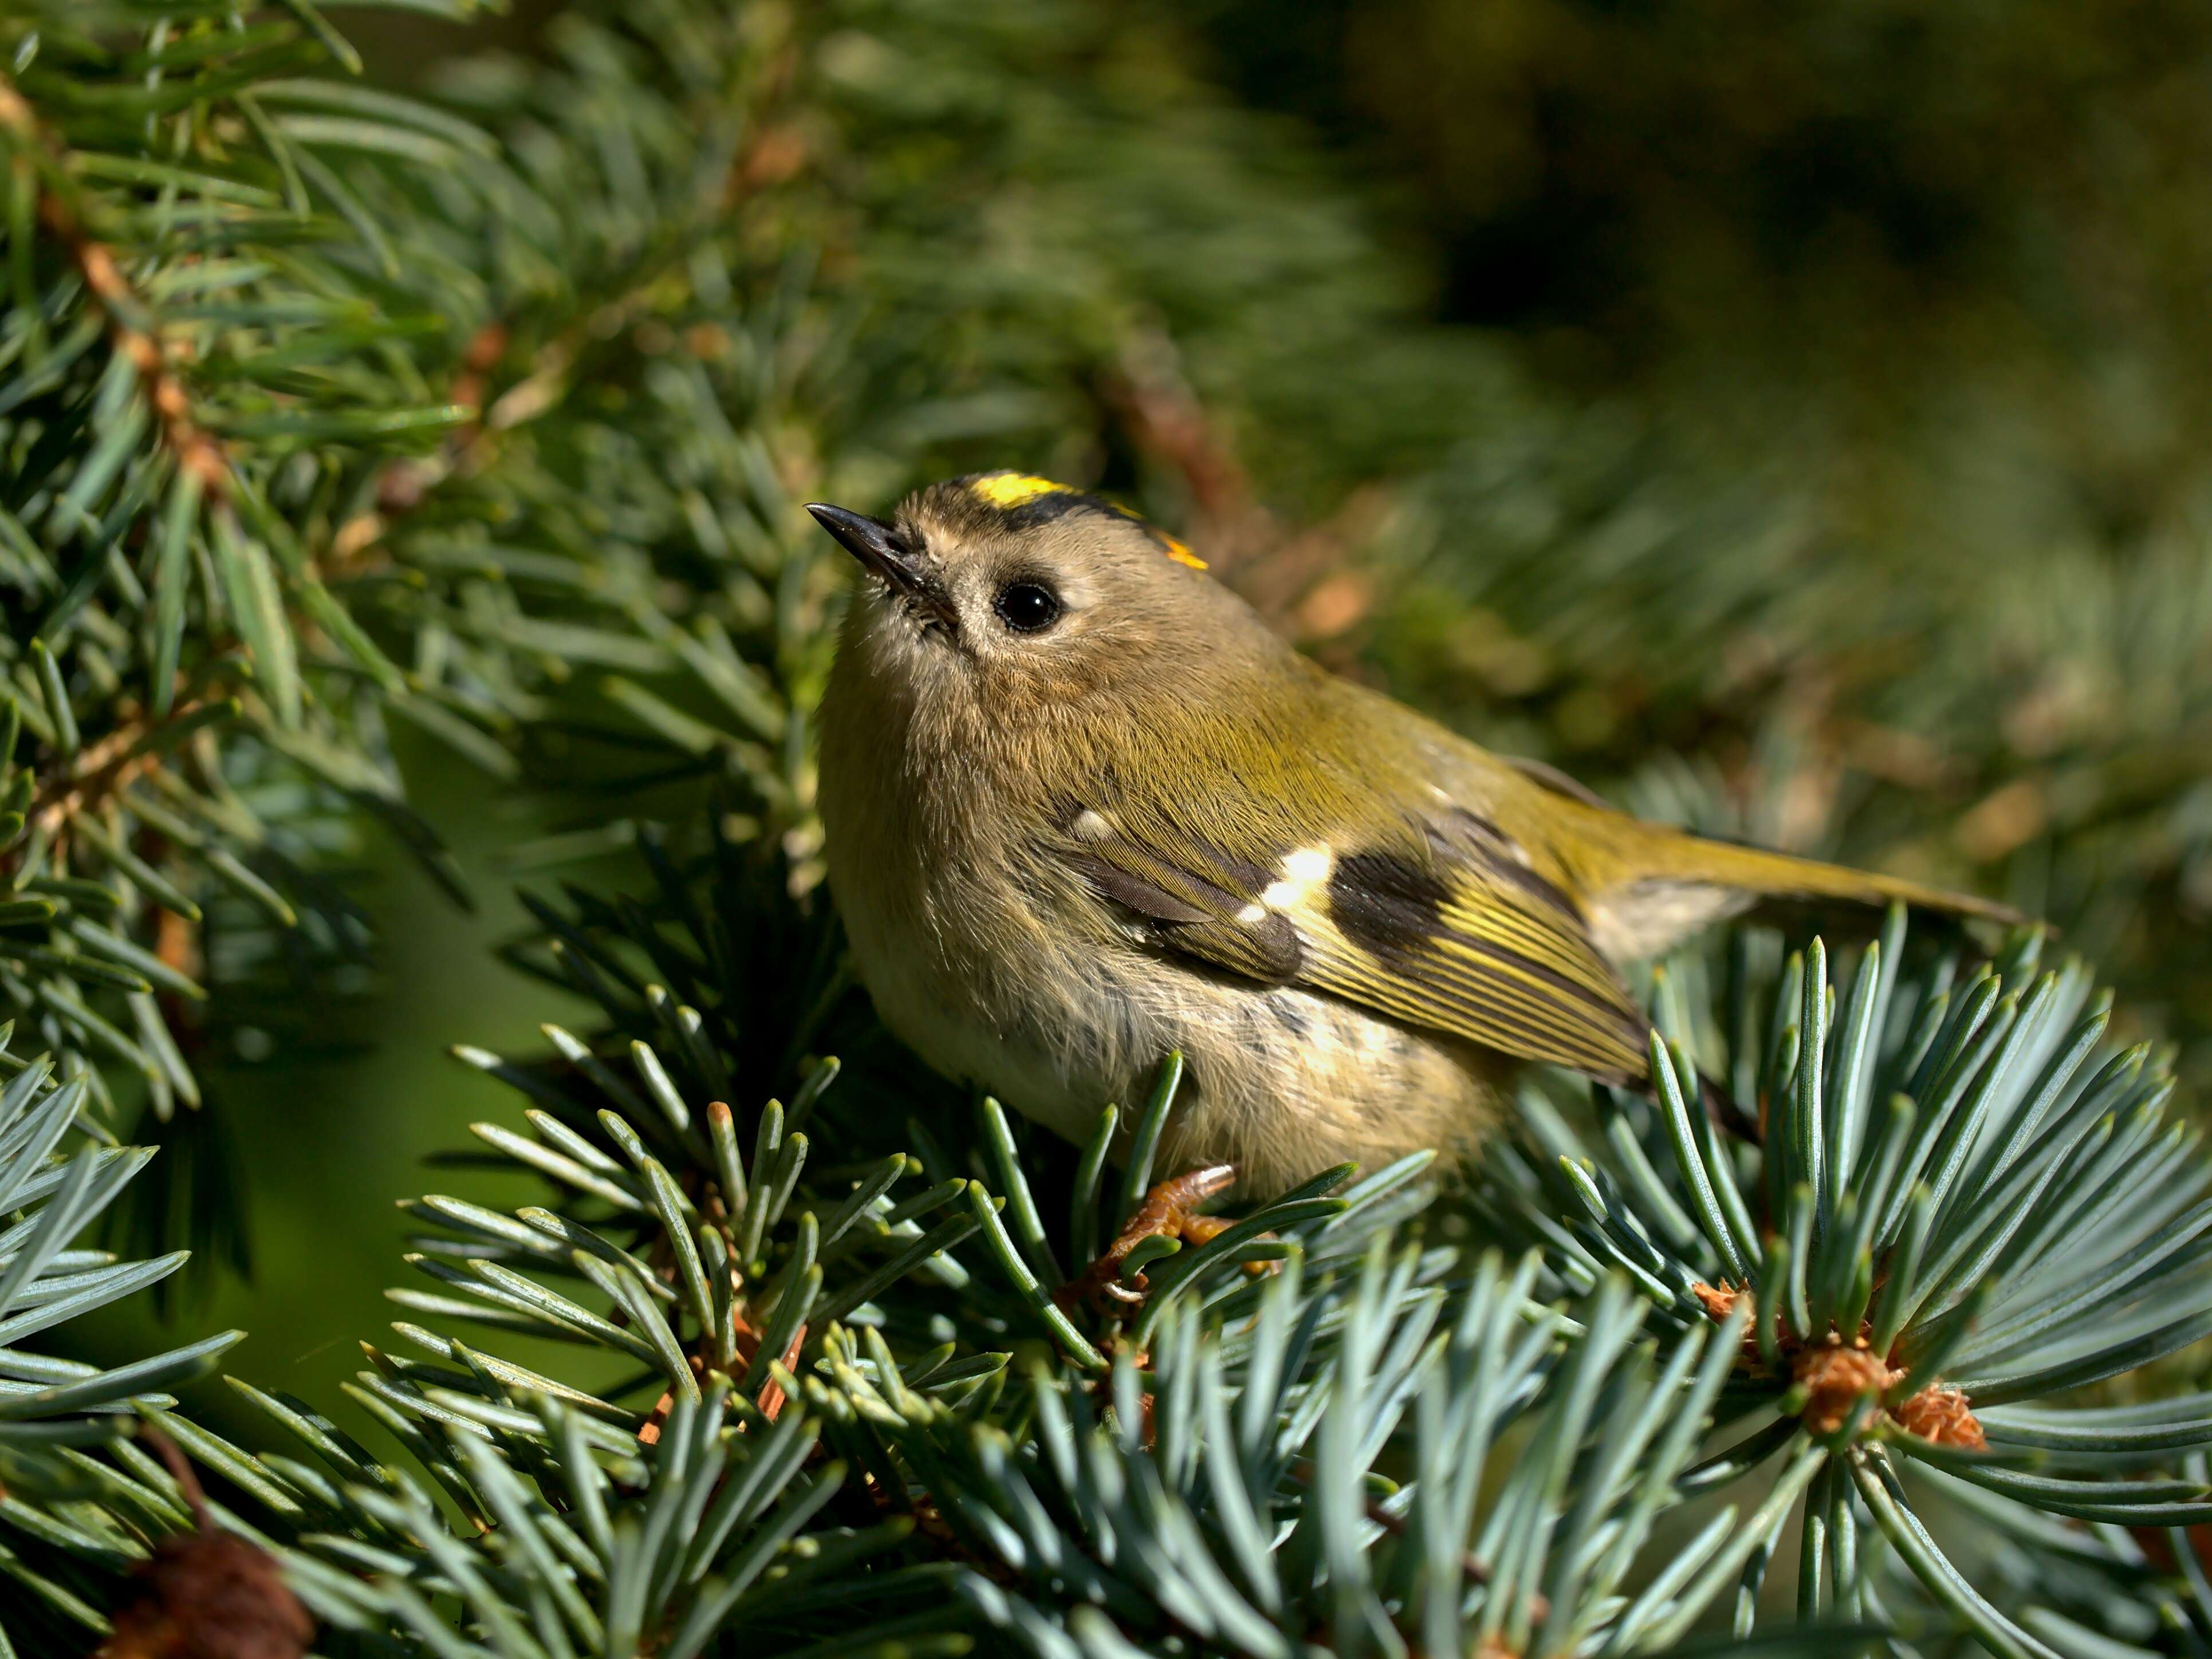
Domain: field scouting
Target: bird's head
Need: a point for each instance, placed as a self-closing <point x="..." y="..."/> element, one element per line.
<point x="1005" y="598"/>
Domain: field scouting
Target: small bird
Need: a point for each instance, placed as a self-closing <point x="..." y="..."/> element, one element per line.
<point x="1084" y="807"/>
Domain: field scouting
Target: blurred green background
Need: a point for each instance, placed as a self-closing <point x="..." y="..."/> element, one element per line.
<point x="1792" y="419"/>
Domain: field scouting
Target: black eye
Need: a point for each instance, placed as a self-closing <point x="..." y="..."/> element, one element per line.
<point x="1028" y="607"/>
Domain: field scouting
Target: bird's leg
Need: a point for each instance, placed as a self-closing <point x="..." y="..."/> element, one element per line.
<point x="1170" y="1210"/>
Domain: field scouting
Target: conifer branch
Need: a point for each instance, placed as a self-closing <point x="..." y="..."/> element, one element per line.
<point x="133" y="324"/>
<point x="517" y="387"/>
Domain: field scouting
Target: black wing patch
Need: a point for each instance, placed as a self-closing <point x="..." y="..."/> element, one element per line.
<point x="1390" y="907"/>
<point x="1475" y="942"/>
<point x="1450" y="931"/>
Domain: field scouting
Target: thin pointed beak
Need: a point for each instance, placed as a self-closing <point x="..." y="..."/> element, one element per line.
<point x="873" y="543"/>
<point x="884" y="553"/>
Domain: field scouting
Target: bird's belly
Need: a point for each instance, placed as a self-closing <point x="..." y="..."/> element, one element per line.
<point x="1288" y="1083"/>
<point x="1282" y="1083"/>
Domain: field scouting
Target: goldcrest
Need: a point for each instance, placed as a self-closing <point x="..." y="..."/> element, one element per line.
<point x="1083" y="807"/>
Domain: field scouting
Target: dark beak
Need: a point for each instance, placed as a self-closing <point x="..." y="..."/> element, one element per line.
<point x="873" y="543"/>
<point x="880" y="548"/>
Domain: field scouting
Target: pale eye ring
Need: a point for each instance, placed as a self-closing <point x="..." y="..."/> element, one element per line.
<point x="1028" y="607"/>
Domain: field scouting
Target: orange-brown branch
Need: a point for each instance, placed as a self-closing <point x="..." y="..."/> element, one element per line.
<point x="774" y="155"/>
<point x="102" y="769"/>
<point x="1295" y="577"/>
<point x="196" y="451"/>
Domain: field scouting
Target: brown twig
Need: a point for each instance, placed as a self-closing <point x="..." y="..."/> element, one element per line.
<point x="197" y="451"/>
<point x="745" y="1338"/>
<point x="103" y="770"/>
<point x="109" y="764"/>
<point x="1293" y="577"/>
<point x="774" y="154"/>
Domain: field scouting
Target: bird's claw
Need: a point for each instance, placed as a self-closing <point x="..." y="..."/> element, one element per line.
<point x="1170" y="1210"/>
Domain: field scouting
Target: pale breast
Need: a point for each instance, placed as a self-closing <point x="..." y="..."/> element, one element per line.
<point x="1282" y="1083"/>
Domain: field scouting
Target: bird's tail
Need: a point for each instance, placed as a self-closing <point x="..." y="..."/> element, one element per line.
<point x="1660" y="885"/>
<point x="1682" y="857"/>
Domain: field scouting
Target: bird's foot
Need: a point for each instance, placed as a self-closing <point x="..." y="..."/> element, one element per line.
<point x="1170" y="1210"/>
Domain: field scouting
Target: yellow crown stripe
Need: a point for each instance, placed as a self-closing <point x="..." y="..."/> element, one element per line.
<point x="1012" y="488"/>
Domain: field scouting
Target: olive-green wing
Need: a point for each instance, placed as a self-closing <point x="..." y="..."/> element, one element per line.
<point x="1445" y="928"/>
